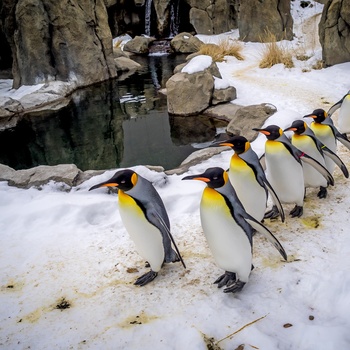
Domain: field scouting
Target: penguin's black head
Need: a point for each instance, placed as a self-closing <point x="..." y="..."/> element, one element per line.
<point x="272" y="132"/>
<point x="238" y="143"/>
<point x="214" y="177"/>
<point x="124" y="180"/>
<point x="298" y="126"/>
<point x="318" y="115"/>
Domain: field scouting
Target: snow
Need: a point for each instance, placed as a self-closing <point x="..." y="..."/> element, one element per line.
<point x="71" y="246"/>
<point x="220" y="84"/>
<point x="197" y="64"/>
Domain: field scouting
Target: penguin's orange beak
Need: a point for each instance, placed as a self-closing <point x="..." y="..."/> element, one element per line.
<point x="226" y="144"/>
<point x="290" y="129"/>
<point x="104" y="184"/>
<point x="263" y="131"/>
<point x="313" y="116"/>
<point x="196" y="177"/>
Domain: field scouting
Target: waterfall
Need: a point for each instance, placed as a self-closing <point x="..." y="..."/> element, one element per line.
<point x="148" y="10"/>
<point x="174" y="18"/>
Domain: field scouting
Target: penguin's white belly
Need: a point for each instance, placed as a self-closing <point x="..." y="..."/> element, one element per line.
<point x="312" y="177"/>
<point x="250" y="193"/>
<point x="285" y="174"/>
<point x="227" y="241"/>
<point x="146" y="237"/>
<point x="344" y="116"/>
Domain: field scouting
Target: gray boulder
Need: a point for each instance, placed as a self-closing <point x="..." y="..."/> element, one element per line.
<point x="249" y="117"/>
<point x="334" y="32"/>
<point x="224" y="95"/>
<point x="139" y="45"/>
<point x="40" y="175"/>
<point x="126" y="64"/>
<point x="201" y="21"/>
<point x="185" y="43"/>
<point x="189" y="94"/>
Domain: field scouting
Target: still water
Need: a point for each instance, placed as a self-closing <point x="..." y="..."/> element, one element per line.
<point x="118" y="123"/>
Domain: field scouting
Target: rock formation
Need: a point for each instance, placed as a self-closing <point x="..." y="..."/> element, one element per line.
<point x="334" y="31"/>
<point x="67" y="41"/>
<point x="259" y="19"/>
<point x="195" y="86"/>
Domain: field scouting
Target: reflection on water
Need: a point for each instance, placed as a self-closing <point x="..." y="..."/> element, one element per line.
<point x="113" y="124"/>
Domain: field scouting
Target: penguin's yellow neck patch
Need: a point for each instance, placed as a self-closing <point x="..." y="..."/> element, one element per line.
<point x="214" y="200"/>
<point x="127" y="202"/>
<point x="272" y="146"/>
<point x="239" y="165"/>
<point x="320" y="129"/>
<point x="299" y="137"/>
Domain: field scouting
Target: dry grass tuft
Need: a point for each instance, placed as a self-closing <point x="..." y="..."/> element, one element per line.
<point x="274" y="53"/>
<point x="226" y="47"/>
<point x="232" y="47"/>
<point x="213" y="51"/>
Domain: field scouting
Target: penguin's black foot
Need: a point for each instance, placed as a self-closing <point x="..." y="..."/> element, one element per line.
<point x="235" y="287"/>
<point x="272" y="214"/>
<point x="225" y="279"/>
<point x="146" y="278"/>
<point x="297" y="211"/>
<point x="322" y="193"/>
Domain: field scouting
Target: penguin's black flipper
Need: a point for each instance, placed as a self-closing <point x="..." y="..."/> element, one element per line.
<point x="342" y="138"/>
<point x="336" y="106"/>
<point x="268" y="235"/>
<point x="318" y="166"/>
<point x="146" y="278"/>
<point x="166" y="229"/>
<point x="330" y="154"/>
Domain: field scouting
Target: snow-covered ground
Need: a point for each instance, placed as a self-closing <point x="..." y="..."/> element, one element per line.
<point x="68" y="265"/>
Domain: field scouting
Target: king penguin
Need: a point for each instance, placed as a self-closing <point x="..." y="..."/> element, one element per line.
<point x="145" y="218"/>
<point x="304" y="139"/>
<point x="324" y="129"/>
<point x="344" y="113"/>
<point x="284" y="168"/>
<point x="228" y="229"/>
<point x="248" y="179"/>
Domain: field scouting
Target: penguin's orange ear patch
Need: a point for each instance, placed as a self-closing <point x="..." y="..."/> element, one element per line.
<point x="226" y="178"/>
<point x="134" y="179"/>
